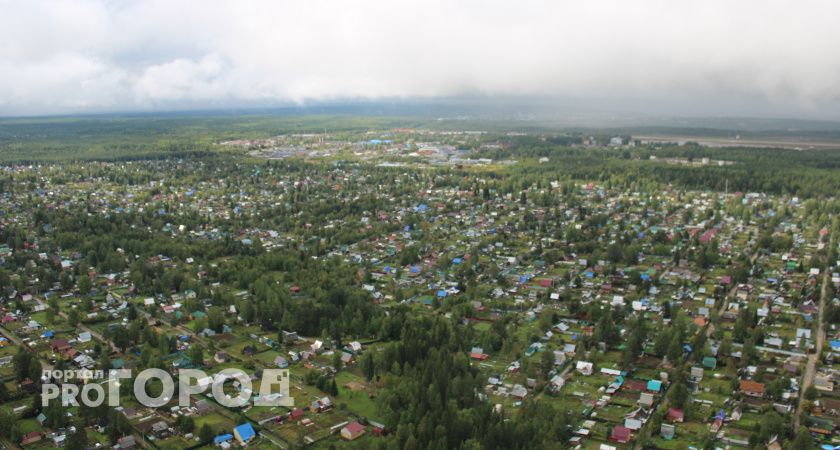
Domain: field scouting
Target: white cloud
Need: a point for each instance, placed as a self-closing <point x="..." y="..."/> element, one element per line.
<point x="90" y="55"/>
<point x="183" y="79"/>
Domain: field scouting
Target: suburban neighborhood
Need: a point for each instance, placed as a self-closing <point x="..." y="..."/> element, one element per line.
<point x="642" y="315"/>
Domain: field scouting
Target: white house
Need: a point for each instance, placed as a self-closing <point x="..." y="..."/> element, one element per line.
<point x="584" y="367"/>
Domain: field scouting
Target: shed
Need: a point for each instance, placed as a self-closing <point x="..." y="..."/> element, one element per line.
<point x="667" y="431"/>
<point x="633" y="424"/>
<point x="222" y="438"/>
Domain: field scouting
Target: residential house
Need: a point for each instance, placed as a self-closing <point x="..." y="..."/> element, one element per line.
<point x="519" y="392"/>
<point x="160" y="429"/>
<point x="203" y="407"/>
<point x="377" y="428"/>
<point x="675" y="415"/>
<point x="126" y="443"/>
<point x="221" y="357"/>
<point x="352" y="431"/>
<point x="621" y="434"/>
<point x="296" y="414"/>
<point x="752" y="388"/>
<point x="697" y="373"/>
<point x="584" y="367"/>
<point x="60" y="345"/>
<point x="557" y="382"/>
<point x="355" y="346"/>
<point x="317" y="346"/>
<point x="321" y="405"/>
<point x="646" y="399"/>
<point x="654" y="386"/>
<point x="632" y="423"/>
<point x="823" y="382"/>
<point x="30" y="438"/>
<point x="477" y="353"/>
<point x="244" y="433"/>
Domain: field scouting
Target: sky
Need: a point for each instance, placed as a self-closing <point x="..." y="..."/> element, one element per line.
<point x="719" y="58"/>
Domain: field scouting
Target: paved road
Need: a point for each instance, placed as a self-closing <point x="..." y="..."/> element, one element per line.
<point x="810" y="368"/>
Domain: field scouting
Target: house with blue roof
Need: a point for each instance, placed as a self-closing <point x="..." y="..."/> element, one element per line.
<point x="654" y="385"/>
<point x="244" y="433"/>
<point x="222" y="438"/>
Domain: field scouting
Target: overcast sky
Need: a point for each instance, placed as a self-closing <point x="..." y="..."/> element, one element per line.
<point x="753" y="57"/>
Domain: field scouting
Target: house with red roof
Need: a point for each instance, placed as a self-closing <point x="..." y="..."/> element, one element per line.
<point x="30" y="438"/>
<point x="377" y="428"/>
<point x="752" y="388"/>
<point x="621" y="434"/>
<point x="353" y="431"/>
<point x="675" y="415"/>
<point x="477" y="353"/>
<point x="60" y="345"/>
<point x="296" y="414"/>
<point x="707" y="237"/>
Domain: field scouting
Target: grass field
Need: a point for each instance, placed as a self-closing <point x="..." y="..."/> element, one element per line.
<point x="356" y="401"/>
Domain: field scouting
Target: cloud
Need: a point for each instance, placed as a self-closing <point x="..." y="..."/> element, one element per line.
<point x="99" y="55"/>
<point x="183" y="79"/>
